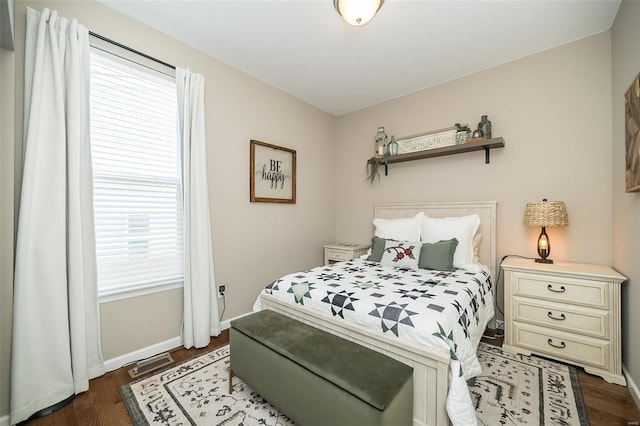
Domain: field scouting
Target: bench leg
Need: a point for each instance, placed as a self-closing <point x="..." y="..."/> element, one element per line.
<point x="230" y="380"/>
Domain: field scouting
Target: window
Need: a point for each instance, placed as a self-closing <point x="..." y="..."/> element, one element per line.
<point x="136" y="176"/>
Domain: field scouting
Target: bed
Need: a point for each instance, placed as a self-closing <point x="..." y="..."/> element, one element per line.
<point x="436" y="369"/>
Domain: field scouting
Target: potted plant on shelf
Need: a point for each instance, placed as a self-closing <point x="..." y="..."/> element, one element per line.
<point x="373" y="165"/>
<point x="462" y="135"/>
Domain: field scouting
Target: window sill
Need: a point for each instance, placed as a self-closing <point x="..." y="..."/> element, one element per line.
<point x="129" y="293"/>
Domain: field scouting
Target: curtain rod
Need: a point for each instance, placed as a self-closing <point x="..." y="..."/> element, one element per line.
<point x="115" y="43"/>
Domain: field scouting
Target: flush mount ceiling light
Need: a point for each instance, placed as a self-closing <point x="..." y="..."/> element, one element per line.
<point x="357" y="12"/>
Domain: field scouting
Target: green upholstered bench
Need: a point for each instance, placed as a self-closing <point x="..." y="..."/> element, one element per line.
<point x="317" y="378"/>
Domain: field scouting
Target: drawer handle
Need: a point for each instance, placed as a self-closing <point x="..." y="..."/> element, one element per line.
<point x="562" y="289"/>
<point x="560" y="318"/>
<point x="561" y="346"/>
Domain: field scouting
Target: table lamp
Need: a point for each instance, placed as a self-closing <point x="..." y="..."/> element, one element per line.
<point x="545" y="213"/>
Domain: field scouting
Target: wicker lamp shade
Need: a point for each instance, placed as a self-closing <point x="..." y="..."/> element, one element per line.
<point x="546" y="213"/>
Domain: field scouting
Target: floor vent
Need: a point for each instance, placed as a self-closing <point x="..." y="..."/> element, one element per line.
<point x="150" y="364"/>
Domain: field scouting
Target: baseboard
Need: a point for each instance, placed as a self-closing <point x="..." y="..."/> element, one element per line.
<point x="632" y="386"/>
<point x="117" y="362"/>
<point x="4" y="420"/>
<point x="227" y="324"/>
<point x="224" y="325"/>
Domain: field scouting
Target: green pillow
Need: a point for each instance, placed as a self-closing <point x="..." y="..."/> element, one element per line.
<point x="438" y="256"/>
<point x="377" y="249"/>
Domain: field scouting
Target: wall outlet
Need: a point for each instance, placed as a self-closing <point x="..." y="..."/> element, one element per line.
<point x="500" y="324"/>
<point x="221" y="290"/>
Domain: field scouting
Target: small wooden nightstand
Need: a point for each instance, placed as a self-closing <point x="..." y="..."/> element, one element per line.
<point x="343" y="251"/>
<point x="566" y="311"/>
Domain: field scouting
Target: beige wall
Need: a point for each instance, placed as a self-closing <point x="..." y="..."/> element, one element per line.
<point x="253" y="243"/>
<point x="626" y="207"/>
<point x="119" y="318"/>
<point x="553" y="110"/>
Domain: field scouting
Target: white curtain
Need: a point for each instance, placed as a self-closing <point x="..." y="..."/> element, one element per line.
<point x="56" y="344"/>
<point x="200" y="302"/>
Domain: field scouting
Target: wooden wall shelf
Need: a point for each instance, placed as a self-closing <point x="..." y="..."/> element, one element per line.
<point x="486" y="145"/>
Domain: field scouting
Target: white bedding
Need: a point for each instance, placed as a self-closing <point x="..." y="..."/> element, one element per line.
<point x="444" y="310"/>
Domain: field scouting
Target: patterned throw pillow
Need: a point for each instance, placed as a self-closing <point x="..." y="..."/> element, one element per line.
<point x="401" y="254"/>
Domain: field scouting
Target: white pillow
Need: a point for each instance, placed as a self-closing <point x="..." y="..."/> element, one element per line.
<point x="405" y="229"/>
<point x="401" y="254"/>
<point x="462" y="228"/>
<point x="477" y="241"/>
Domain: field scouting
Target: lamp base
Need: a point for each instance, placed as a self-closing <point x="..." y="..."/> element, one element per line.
<point x="544" y="260"/>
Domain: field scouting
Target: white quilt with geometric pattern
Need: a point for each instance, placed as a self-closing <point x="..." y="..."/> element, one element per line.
<point x="444" y="310"/>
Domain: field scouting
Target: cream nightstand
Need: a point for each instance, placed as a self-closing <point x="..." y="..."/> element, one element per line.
<point x="343" y="251"/>
<point x="566" y="311"/>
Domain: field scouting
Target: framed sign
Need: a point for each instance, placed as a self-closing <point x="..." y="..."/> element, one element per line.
<point x="272" y="173"/>
<point x="429" y="140"/>
<point x="632" y="135"/>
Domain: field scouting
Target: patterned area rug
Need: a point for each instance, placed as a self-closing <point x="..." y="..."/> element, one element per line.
<point x="512" y="390"/>
<point x="195" y="392"/>
<point x="523" y="390"/>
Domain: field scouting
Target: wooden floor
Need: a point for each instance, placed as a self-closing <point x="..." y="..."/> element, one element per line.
<point x="607" y="404"/>
<point x="101" y="405"/>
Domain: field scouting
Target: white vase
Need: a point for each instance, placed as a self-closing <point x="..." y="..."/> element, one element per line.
<point x="462" y="137"/>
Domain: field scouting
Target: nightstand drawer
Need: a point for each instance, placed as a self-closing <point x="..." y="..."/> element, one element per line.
<point x="580" y="349"/>
<point x="343" y="251"/>
<point x="563" y="290"/>
<point x="575" y="319"/>
<point x="339" y="254"/>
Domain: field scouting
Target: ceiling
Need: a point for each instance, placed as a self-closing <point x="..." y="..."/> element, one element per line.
<point x="304" y="47"/>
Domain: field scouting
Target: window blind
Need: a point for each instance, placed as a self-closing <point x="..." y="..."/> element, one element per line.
<point x="136" y="176"/>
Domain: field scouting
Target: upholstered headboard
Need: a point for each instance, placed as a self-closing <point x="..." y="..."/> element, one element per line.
<point x="485" y="209"/>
